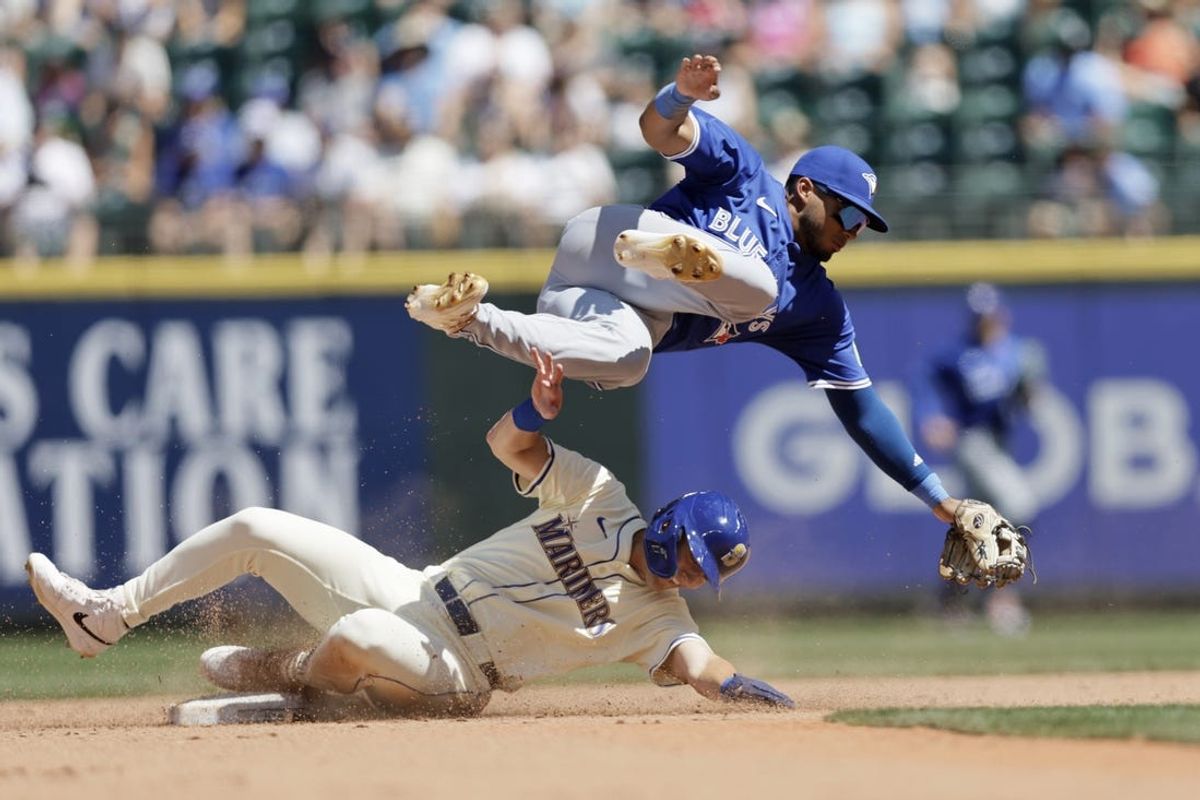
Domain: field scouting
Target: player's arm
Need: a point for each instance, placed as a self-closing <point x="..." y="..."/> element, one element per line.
<point x="515" y="439"/>
<point x="665" y="123"/>
<point x="693" y="662"/>
<point x="877" y="431"/>
<point x="938" y="429"/>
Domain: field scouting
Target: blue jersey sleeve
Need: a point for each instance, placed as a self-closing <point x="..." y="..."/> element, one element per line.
<point x="718" y="155"/>
<point x="877" y="431"/>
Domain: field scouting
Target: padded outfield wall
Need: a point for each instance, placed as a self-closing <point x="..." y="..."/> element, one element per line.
<point x="148" y="397"/>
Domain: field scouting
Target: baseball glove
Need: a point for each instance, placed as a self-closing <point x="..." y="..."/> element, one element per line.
<point x="984" y="547"/>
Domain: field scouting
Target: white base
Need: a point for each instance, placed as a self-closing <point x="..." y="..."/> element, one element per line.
<point x="231" y="709"/>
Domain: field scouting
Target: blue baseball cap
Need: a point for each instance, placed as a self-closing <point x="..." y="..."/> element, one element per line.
<point x="846" y="175"/>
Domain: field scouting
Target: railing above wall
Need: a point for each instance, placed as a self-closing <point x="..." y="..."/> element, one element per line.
<point x="873" y="262"/>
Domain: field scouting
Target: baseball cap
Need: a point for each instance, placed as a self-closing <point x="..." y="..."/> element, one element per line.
<point x="846" y="175"/>
<point x="985" y="300"/>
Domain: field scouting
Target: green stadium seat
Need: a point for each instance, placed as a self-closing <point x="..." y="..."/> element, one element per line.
<point x="1149" y="130"/>
<point x="989" y="64"/>
<point x="260" y="10"/>
<point x="918" y="141"/>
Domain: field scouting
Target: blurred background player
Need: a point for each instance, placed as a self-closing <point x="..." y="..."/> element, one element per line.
<point x="728" y="255"/>
<point x="580" y="582"/>
<point x="970" y="397"/>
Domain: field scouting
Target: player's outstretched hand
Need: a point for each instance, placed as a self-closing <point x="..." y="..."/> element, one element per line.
<point x="697" y="77"/>
<point x="740" y="689"/>
<point x="547" y="390"/>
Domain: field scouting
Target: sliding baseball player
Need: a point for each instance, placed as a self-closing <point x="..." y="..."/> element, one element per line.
<point x="581" y="581"/>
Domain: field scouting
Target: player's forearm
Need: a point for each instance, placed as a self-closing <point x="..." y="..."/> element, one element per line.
<point x="523" y="452"/>
<point x="665" y="123"/>
<point x="708" y="679"/>
<point x="877" y="431"/>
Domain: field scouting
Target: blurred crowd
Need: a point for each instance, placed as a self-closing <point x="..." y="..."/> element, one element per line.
<point x="344" y="126"/>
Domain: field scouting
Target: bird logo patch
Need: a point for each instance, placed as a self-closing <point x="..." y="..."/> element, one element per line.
<point x="872" y="182"/>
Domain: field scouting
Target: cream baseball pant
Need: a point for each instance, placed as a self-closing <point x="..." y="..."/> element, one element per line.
<point x="601" y="320"/>
<point x="387" y="635"/>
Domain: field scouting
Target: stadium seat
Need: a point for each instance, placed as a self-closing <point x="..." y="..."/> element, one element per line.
<point x="1149" y="130"/>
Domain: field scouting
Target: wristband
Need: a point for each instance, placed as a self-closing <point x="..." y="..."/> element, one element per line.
<point x="930" y="490"/>
<point x="670" y="101"/>
<point x="527" y="418"/>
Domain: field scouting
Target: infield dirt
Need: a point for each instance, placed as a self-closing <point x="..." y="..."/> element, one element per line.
<point x="592" y="741"/>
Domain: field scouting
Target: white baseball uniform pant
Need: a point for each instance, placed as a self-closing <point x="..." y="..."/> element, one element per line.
<point x="388" y="635"/>
<point x="601" y="320"/>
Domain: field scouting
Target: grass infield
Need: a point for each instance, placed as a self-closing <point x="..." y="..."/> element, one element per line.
<point x="1169" y="723"/>
<point x="158" y="660"/>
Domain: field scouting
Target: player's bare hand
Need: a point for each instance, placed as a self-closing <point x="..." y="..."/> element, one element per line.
<point x="547" y="390"/>
<point x="697" y="77"/>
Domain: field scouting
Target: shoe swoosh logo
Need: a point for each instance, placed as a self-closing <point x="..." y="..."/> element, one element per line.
<point x="765" y="206"/>
<point x="79" y="617"/>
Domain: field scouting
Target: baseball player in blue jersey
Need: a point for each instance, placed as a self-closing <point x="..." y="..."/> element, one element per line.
<point x="728" y="255"/>
<point x="966" y="403"/>
<point x="581" y="581"/>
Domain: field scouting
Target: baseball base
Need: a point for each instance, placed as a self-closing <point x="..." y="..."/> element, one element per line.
<point x="230" y="709"/>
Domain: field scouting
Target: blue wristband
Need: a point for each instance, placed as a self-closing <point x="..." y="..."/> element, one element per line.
<point x="930" y="490"/>
<point x="527" y="418"/>
<point x="670" y="101"/>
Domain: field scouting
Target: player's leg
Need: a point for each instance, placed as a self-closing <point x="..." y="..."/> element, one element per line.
<point x="322" y="572"/>
<point x="402" y="665"/>
<point x="645" y="247"/>
<point x="992" y="475"/>
<point x="595" y="336"/>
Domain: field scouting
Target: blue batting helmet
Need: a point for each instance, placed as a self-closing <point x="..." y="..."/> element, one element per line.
<point x="716" y="533"/>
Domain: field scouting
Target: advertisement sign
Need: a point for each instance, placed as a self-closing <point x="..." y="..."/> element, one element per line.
<point x="1110" y="447"/>
<point x="127" y="426"/>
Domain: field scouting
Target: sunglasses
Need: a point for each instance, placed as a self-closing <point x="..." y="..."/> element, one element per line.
<point x="852" y="218"/>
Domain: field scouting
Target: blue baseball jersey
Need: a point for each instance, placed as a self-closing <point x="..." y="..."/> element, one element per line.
<point x="727" y="191"/>
<point x="978" y="386"/>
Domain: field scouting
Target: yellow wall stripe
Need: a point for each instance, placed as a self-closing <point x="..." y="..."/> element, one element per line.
<point x="868" y="264"/>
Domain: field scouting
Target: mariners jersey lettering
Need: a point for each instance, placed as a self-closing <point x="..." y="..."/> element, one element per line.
<point x="727" y="191"/>
<point x="556" y="540"/>
<point x="555" y="591"/>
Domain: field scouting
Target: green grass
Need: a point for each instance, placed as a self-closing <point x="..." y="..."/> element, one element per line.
<point x="39" y="665"/>
<point x="908" y="645"/>
<point x="1170" y="723"/>
<point x="153" y="660"/>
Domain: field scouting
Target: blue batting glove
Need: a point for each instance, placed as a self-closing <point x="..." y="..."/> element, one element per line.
<point x="739" y="688"/>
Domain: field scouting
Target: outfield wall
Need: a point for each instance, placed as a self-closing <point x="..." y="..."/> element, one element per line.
<point x="147" y="397"/>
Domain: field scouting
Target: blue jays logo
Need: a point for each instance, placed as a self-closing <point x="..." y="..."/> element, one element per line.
<point x="729" y="330"/>
<point x="872" y="182"/>
<point x="724" y="332"/>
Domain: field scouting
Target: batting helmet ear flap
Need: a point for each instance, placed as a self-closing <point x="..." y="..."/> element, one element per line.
<point x="660" y="543"/>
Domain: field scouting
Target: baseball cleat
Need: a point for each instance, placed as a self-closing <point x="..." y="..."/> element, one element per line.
<point x="672" y="257"/>
<point x="91" y="619"/>
<point x="249" y="669"/>
<point x="449" y="307"/>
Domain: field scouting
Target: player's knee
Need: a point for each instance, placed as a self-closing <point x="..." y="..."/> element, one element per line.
<point x="630" y="369"/>
<point x="257" y="525"/>
<point x="759" y="292"/>
<point x="359" y="633"/>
